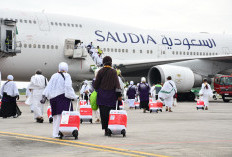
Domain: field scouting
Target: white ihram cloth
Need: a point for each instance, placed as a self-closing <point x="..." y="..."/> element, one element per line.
<point x="153" y="93"/>
<point x="29" y="98"/>
<point x="167" y="92"/>
<point x="57" y="86"/>
<point x="10" y="89"/>
<point x="56" y="125"/>
<point x="99" y="60"/>
<point x="37" y="86"/>
<point x="206" y="93"/>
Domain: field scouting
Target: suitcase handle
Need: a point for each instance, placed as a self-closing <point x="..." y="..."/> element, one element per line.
<point x="117" y="105"/>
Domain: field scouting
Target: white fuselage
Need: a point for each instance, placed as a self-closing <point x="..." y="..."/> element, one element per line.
<point x="119" y="42"/>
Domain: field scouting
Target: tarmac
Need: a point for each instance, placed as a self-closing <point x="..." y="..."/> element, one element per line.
<point x="185" y="132"/>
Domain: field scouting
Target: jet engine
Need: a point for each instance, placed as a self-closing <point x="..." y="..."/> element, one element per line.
<point x="184" y="78"/>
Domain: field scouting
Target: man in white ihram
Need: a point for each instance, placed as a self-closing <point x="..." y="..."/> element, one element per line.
<point x="37" y="86"/>
<point x="167" y="92"/>
<point x="60" y="93"/>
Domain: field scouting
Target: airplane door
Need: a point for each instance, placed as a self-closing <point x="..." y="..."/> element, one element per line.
<point x="226" y="51"/>
<point x="161" y="51"/>
<point x="43" y="22"/>
<point x="9" y="35"/>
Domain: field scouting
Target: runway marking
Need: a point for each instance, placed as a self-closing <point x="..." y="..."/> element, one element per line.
<point x="125" y="152"/>
<point x="184" y="142"/>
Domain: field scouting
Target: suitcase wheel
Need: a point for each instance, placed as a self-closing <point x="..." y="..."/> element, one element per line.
<point x="91" y="120"/>
<point x="150" y="111"/>
<point x="203" y="108"/>
<point x="50" y="120"/>
<point x="75" y="134"/>
<point x="123" y="132"/>
<point x="156" y="111"/>
<point x="161" y="110"/>
<point x="60" y="135"/>
<point x="197" y="108"/>
<point x="81" y="120"/>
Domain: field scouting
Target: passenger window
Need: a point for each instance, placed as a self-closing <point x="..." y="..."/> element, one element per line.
<point x="176" y="52"/>
<point x="56" y="46"/>
<point x="181" y="53"/>
<point x="47" y="46"/>
<point x="115" y="50"/>
<point x="203" y="53"/>
<point x="206" y="53"/>
<point x="29" y="21"/>
<point x="191" y="53"/>
<point x="122" y="50"/>
<point x="52" y="47"/>
<point x="198" y="53"/>
<point x="39" y="46"/>
<point x="29" y="45"/>
<point x="34" y="45"/>
<point x="108" y="50"/>
<point x="16" y="20"/>
<point x="60" y="24"/>
<point x="25" y="21"/>
<point x="147" y="51"/>
<point x="76" y="25"/>
<point x="187" y="53"/>
<point x="126" y="50"/>
<point x="51" y="23"/>
<point x="43" y="46"/>
<point x="34" y="22"/>
<point x="104" y="49"/>
<point x="25" y="45"/>
<point x="64" y="24"/>
<point x="141" y="51"/>
<point x="173" y="52"/>
<point x="72" y="25"/>
<point x="56" y="23"/>
<point x="80" y="26"/>
<point x="194" y="53"/>
<point x="112" y="50"/>
<point x="133" y="50"/>
<point x="68" y="25"/>
<point x="163" y="52"/>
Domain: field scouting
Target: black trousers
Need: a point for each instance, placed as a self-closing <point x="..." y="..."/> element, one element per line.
<point x="104" y="113"/>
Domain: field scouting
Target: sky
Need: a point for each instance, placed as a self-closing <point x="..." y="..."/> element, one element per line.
<point x="212" y="16"/>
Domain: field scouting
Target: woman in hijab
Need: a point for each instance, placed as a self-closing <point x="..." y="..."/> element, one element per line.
<point x="131" y="93"/>
<point x="144" y="92"/>
<point x="9" y="93"/>
<point x="108" y="88"/>
<point x="60" y="93"/>
<point x="205" y="92"/>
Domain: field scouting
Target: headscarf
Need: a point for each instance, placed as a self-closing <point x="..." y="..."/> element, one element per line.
<point x="143" y="80"/>
<point x="10" y="77"/>
<point x="131" y="82"/>
<point x="63" y="67"/>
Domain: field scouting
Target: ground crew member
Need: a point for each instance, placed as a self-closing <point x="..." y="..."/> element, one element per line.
<point x="158" y="87"/>
<point x="7" y="43"/>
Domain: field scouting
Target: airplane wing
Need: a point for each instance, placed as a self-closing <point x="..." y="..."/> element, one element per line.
<point x="144" y="64"/>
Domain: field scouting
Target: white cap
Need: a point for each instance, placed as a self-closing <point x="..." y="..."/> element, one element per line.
<point x="131" y="82"/>
<point x="143" y="79"/>
<point x="63" y="67"/>
<point x="10" y="77"/>
<point x="85" y="82"/>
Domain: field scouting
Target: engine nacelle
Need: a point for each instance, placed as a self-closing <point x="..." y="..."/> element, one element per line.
<point x="184" y="77"/>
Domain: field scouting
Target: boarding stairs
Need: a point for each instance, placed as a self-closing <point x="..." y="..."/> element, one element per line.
<point x="9" y="46"/>
<point x="79" y="52"/>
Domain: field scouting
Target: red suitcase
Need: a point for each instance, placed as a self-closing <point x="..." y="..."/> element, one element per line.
<point x="137" y="105"/>
<point x="70" y="124"/>
<point x="121" y="107"/>
<point x="117" y="122"/>
<point x="155" y="106"/>
<point x="82" y="102"/>
<point x="200" y="104"/>
<point x="86" y="114"/>
<point x="49" y="113"/>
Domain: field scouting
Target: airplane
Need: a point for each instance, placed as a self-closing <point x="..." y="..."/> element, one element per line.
<point x="42" y="41"/>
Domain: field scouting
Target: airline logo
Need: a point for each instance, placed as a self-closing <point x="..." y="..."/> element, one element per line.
<point x="147" y="39"/>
